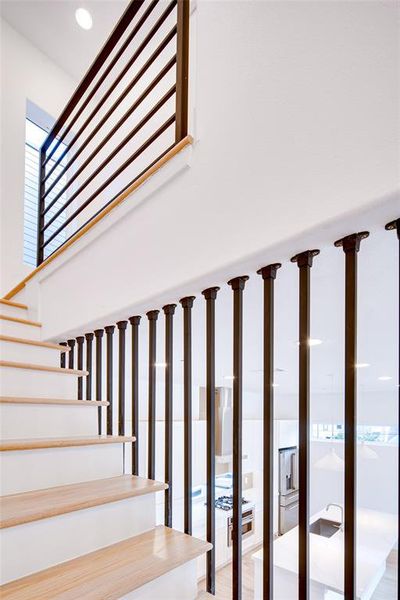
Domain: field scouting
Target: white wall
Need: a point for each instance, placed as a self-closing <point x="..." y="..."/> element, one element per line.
<point x="26" y="73"/>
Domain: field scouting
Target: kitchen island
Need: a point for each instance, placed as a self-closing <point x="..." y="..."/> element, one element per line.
<point x="376" y="533"/>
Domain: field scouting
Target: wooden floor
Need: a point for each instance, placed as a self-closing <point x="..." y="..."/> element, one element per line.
<point x="386" y="589"/>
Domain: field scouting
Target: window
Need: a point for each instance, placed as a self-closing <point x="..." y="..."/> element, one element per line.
<point x="34" y="138"/>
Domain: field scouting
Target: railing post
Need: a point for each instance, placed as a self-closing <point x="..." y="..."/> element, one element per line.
<point x="395" y="226"/>
<point x="89" y="367"/>
<point x="169" y="311"/>
<point x="152" y="316"/>
<point x="71" y="344"/>
<point x="122" y="325"/>
<point x="109" y="377"/>
<point x="351" y="246"/>
<point x="182" y="70"/>
<point x="135" y="321"/>
<point x="304" y="262"/>
<point x="63" y="356"/>
<point x="80" y="341"/>
<point x="210" y="295"/>
<point x="41" y="206"/>
<point x="237" y="284"/>
<point x="269" y="275"/>
<point x="187" y="304"/>
<point x="99" y="364"/>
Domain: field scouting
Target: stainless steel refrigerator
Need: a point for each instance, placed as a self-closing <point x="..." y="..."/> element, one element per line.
<point x="288" y="489"/>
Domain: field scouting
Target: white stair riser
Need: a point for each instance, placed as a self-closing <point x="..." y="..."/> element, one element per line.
<point x="46" y="420"/>
<point x="13" y="311"/>
<point x="37" y="384"/>
<point x="21" y="330"/>
<point x="29" y="354"/>
<point x="35" y="546"/>
<point x="25" y="470"/>
<point x="178" y="583"/>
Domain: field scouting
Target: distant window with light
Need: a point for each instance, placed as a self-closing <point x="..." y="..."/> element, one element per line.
<point x="34" y="138"/>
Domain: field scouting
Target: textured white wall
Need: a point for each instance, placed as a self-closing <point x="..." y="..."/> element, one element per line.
<point x="26" y="73"/>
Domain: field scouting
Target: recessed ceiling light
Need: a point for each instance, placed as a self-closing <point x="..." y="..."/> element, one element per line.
<point x="362" y="365"/>
<point x="160" y="365"/>
<point x="229" y="377"/>
<point x="385" y="378"/>
<point x="312" y="342"/>
<point x="84" y="18"/>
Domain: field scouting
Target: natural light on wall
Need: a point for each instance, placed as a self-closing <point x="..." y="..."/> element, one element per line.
<point x="34" y="138"/>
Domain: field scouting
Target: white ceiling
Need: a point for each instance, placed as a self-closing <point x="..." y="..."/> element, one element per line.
<point x="51" y="26"/>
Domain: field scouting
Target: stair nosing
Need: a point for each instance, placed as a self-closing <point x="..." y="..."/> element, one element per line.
<point x="17" y="340"/>
<point x="16" y="445"/>
<point x="74" y="497"/>
<point x="19" y="320"/>
<point x="13" y="304"/>
<point x="33" y="367"/>
<point x="55" y="401"/>
<point x="108" y="576"/>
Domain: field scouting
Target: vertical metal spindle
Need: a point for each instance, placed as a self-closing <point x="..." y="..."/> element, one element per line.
<point x="187" y="304"/>
<point x="122" y="325"/>
<point x="304" y="262"/>
<point x="169" y="311"/>
<point x="351" y="246"/>
<point x="237" y="284"/>
<point x="71" y="344"/>
<point x="99" y="335"/>
<point x="109" y="377"/>
<point x="395" y="225"/>
<point x="210" y="295"/>
<point x="41" y="206"/>
<point x="182" y="70"/>
<point x="135" y="321"/>
<point x="89" y="366"/>
<point x="268" y="274"/>
<point x="152" y="316"/>
<point x="80" y="341"/>
<point x="63" y="355"/>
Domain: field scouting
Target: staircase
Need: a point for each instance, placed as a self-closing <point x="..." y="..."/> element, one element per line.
<point x="73" y="525"/>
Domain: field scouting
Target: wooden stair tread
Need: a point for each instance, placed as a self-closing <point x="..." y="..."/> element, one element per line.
<point x="17" y="365"/>
<point x="64" y="442"/>
<point x="14" y="304"/>
<point x="17" y="340"/>
<point x="57" y="401"/>
<point x="111" y="572"/>
<point x="26" y="507"/>
<point x="18" y="320"/>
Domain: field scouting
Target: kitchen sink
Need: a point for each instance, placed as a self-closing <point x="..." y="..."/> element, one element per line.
<point x="324" y="527"/>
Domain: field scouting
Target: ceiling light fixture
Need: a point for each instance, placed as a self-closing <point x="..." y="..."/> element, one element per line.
<point x="229" y="377"/>
<point x="313" y="342"/>
<point x="362" y="365"/>
<point x="160" y="365"/>
<point x="385" y="378"/>
<point x="84" y="18"/>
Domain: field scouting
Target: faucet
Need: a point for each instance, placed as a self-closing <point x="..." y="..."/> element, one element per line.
<point x="328" y="506"/>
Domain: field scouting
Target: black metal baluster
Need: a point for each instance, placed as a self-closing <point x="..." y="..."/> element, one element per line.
<point x="187" y="304"/>
<point x="269" y="275"/>
<point x="98" y="335"/>
<point x="182" y="69"/>
<point x="109" y="377"/>
<point x="351" y="246"/>
<point x="41" y="207"/>
<point x="122" y="325"/>
<point x="152" y="316"/>
<point x="210" y="295"/>
<point x="237" y="284"/>
<point x="71" y="353"/>
<point x="89" y="366"/>
<point x="80" y="341"/>
<point x="135" y="321"/>
<point x="304" y="261"/>
<point x="63" y="356"/>
<point x="169" y="311"/>
<point x="395" y="226"/>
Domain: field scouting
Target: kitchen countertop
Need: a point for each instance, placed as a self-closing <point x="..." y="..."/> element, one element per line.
<point x="377" y="534"/>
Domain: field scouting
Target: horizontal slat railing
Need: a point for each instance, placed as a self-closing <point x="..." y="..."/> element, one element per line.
<point x="127" y="113"/>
